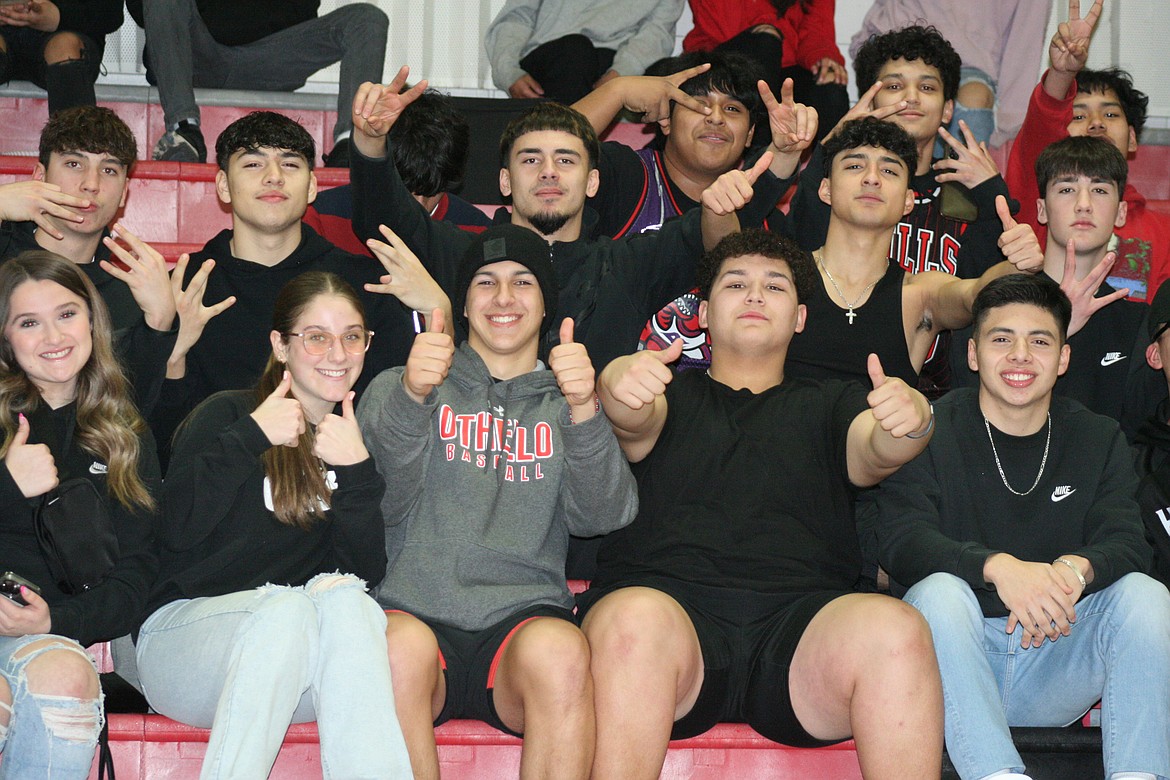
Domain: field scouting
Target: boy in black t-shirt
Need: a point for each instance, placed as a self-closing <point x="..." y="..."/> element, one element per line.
<point x="729" y="598"/>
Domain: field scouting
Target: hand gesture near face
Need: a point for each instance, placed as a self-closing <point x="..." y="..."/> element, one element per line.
<point x="31" y="466"/>
<point x="193" y="315"/>
<point x="280" y="416"/>
<point x="339" y="440"/>
<point x="973" y="164"/>
<point x="429" y="360"/>
<point x="651" y="96"/>
<point x="574" y="373"/>
<point x="731" y="191"/>
<point x="376" y="107"/>
<point x="39" y="202"/>
<point x="1083" y="292"/>
<point x="1018" y="242"/>
<point x="793" y="124"/>
<point x="406" y="278"/>
<point x="145" y="275"/>
<point x="865" y="106"/>
<point x="1069" y="49"/>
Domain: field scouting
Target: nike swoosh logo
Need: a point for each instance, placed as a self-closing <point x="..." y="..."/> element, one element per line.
<point x="97" y="468"/>
<point x="1062" y="496"/>
<point x="1108" y="361"/>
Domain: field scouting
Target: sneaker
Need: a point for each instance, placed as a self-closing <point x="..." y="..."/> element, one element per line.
<point x="183" y="144"/>
<point x="339" y="157"/>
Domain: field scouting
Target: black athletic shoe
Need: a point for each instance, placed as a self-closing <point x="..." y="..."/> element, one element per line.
<point x="184" y="144"/>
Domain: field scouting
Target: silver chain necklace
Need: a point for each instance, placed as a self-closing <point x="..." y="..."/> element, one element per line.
<point x="998" y="465"/>
<point x="851" y="315"/>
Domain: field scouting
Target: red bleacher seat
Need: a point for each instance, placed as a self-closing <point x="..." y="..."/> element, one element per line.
<point x="147" y="747"/>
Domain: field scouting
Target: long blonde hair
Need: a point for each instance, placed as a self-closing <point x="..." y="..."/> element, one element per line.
<point x="108" y="424"/>
<point x="296" y="474"/>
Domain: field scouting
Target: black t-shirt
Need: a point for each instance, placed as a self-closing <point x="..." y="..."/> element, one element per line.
<point x="745" y="491"/>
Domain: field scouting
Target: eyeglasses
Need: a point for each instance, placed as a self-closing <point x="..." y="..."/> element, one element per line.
<point x="318" y="342"/>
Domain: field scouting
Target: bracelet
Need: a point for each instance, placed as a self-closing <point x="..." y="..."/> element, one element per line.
<point x="929" y="427"/>
<point x="596" y="408"/>
<point x="1076" y="571"/>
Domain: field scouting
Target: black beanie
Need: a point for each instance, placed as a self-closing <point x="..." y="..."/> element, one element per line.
<point x="515" y="243"/>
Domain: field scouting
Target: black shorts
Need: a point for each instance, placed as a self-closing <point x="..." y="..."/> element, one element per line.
<point x="469" y="660"/>
<point x="747" y="640"/>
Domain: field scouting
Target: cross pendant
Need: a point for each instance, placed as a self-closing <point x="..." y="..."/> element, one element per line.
<point x="851" y="315"/>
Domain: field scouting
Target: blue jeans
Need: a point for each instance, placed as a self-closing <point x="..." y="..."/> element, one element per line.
<point x="248" y="664"/>
<point x="1118" y="652"/>
<point x="47" y="736"/>
<point x="981" y="121"/>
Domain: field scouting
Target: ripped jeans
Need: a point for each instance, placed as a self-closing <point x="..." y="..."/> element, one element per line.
<point x="47" y="736"/>
<point x="248" y="664"/>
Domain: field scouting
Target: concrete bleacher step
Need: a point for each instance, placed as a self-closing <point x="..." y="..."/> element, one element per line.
<point x="148" y="747"/>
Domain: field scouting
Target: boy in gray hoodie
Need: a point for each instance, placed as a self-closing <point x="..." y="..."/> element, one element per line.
<point x="492" y="459"/>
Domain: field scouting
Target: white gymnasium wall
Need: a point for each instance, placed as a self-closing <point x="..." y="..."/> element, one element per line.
<point x="443" y="41"/>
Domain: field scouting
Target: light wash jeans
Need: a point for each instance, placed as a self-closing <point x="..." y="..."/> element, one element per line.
<point x="47" y="736"/>
<point x="981" y="121"/>
<point x="1118" y="652"/>
<point x="247" y="664"/>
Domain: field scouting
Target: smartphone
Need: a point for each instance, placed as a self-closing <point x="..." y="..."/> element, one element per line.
<point x="956" y="203"/>
<point x="10" y="586"/>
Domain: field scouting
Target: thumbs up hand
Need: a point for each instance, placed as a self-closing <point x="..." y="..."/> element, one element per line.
<point x="281" y="417"/>
<point x="429" y="359"/>
<point x="31" y="465"/>
<point x="731" y="191"/>
<point x="637" y="380"/>
<point x="339" y="439"/>
<point x="898" y="408"/>
<point x="573" y="370"/>
<point x="1018" y="242"/>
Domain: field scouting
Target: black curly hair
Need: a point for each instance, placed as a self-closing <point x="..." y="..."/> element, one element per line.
<point x="909" y="43"/>
<point x="758" y="242"/>
<point x="873" y="132"/>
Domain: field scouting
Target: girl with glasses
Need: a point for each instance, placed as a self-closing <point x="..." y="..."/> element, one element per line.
<point x="273" y="531"/>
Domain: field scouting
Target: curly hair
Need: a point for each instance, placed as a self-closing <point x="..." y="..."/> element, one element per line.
<point x="909" y="43"/>
<point x="264" y="129"/>
<point x="1134" y="102"/>
<point x="298" y="482"/>
<point x="108" y="424"/>
<point x="868" y="131"/>
<point x="92" y="129"/>
<point x="765" y="244"/>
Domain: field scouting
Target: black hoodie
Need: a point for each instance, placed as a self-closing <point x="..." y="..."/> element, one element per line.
<point x="234" y="347"/>
<point x="1151" y="447"/>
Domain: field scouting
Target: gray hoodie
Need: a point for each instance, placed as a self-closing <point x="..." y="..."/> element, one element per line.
<point x="484" y="483"/>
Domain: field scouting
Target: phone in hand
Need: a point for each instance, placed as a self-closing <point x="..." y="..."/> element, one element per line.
<point x="10" y="587"/>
